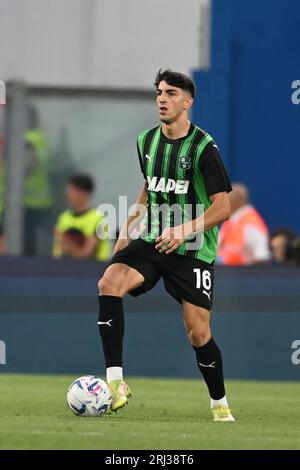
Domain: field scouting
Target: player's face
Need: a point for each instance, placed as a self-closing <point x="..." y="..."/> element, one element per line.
<point x="171" y="102"/>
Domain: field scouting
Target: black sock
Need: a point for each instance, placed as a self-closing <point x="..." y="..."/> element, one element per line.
<point x="111" y="328"/>
<point x="209" y="361"/>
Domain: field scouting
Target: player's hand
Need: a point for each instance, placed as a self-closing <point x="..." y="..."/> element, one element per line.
<point x="170" y="239"/>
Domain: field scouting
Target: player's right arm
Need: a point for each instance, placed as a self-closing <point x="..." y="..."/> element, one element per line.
<point x="136" y="215"/>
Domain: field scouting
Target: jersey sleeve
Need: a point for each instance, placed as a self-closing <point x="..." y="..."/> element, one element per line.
<point x="140" y="160"/>
<point x="213" y="171"/>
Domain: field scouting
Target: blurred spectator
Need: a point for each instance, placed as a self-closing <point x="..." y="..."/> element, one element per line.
<point x="75" y="231"/>
<point x="283" y="246"/>
<point x="37" y="197"/>
<point x="2" y="238"/>
<point x="243" y="239"/>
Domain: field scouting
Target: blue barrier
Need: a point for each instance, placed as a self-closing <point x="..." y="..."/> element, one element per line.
<point x="48" y="315"/>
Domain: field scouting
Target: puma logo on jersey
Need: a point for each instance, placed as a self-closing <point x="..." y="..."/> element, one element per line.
<point x="167" y="185"/>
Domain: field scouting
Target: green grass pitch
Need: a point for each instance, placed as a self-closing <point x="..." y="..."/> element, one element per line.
<point x="162" y="414"/>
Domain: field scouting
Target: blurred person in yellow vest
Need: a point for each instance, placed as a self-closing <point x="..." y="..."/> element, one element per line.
<point x="37" y="200"/>
<point x="2" y="238"/>
<point x="37" y="197"/>
<point x="243" y="238"/>
<point x="75" y="234"/>
<point x="2" y="127"/>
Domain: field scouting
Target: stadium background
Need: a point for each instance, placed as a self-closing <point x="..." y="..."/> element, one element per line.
<point x="88" y="69"/>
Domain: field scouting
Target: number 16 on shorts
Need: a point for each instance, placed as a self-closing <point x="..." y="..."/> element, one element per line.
<point x="203" y="281"/>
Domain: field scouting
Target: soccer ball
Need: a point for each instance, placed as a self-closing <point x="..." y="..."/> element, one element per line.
<point x="89" y="396"/>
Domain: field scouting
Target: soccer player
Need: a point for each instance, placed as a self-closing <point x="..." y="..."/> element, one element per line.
<point x="182" y="168"/>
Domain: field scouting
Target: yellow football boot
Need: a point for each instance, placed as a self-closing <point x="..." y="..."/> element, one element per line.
<point x="222" y="413"/>
<point x="120" y="392"/>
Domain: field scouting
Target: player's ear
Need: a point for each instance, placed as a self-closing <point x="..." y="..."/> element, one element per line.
<point x="188" y="102"/>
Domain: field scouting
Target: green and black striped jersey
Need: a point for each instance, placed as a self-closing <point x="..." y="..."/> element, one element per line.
<point x="181" y="174"/>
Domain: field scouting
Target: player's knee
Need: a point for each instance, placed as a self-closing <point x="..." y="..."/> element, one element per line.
<point x="109" y="285"/>
<point x="101" y="283"/>
<point x="199" y="336"/>
<point x="105" y="285"/>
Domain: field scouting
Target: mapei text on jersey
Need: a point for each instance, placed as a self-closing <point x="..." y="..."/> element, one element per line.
<point x="167" y="185"/>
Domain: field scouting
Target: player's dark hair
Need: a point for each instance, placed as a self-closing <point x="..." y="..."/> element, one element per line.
<point x="83" y="182"/>
<point x="176" y="79"/>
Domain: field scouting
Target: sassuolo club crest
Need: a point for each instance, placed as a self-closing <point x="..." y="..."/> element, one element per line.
<point x="185" y="163"/>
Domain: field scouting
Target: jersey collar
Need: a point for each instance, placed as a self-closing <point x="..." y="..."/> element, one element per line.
<point x="173" y="141"/>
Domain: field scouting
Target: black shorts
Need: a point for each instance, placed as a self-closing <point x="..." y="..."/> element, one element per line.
<point x="184" y="278"/>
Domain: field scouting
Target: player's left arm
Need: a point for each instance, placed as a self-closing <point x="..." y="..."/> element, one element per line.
<point x="217" y="186"/>
<point x="217" y="213"/>
<point x="171" y="238"/>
